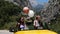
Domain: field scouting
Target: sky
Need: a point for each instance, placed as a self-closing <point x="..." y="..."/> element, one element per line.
<point x="42" y="1"/>
<point x="36" y="2"/>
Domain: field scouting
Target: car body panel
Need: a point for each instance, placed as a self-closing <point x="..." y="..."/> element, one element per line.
<point x="35" y="32"/>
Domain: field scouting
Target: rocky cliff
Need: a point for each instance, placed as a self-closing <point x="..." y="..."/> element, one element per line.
<point x="51" y="11"/>
<point x="21" y="3"/>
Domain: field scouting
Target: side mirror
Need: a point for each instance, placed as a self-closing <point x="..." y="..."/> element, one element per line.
<point x="12" y="29"/>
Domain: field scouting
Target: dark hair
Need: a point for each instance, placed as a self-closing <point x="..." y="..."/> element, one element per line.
<point x="36" y="17"/>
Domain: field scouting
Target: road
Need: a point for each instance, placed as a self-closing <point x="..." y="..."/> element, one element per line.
<point x="5" y="32"/>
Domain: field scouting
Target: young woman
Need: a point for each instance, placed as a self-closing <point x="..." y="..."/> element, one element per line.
<point x="36" y="23"/>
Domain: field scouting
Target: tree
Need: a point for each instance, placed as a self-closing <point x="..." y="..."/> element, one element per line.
<point x="54" y="9"/>
<point x="7" y="11"/>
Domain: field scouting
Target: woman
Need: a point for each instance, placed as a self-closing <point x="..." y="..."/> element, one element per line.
<point x="21" y="24"/>
<point x="36" y="23"/>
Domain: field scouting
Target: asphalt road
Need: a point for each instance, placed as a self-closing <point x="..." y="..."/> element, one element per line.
<point x="5" y="32"/>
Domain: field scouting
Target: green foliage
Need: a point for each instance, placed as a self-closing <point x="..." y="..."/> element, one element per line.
<point x="8" y="13"/>
<point x="55" y="25"/>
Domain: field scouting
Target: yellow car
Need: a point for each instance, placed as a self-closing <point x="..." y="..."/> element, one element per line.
<point x="35" y="32"/>
<point x="31" y="30"/>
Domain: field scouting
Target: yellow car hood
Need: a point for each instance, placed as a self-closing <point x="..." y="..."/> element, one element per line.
<point x="36" y="32"/>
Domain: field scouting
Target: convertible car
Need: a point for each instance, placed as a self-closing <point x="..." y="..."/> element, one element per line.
<point x="32" y="31"/>
<point x="35" y="32"/>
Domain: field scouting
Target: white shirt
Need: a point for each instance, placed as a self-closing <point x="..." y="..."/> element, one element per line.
<point x="36" y="23"/>
<point x="21" y="26"/>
